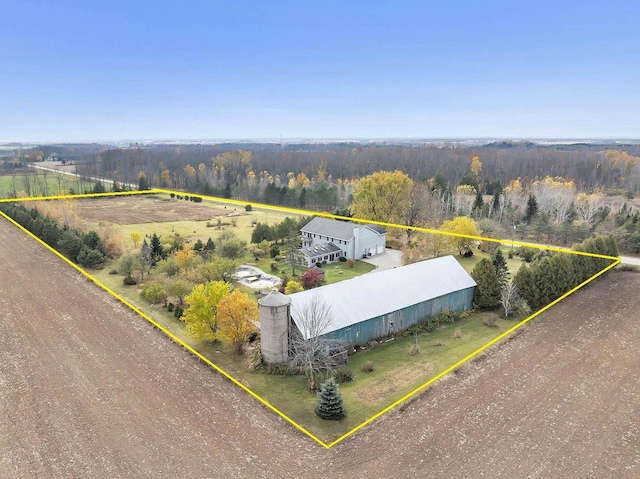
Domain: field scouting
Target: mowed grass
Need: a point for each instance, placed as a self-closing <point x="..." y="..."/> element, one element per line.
<point x="52" y="184"/>
<point x="335" y="272"/>
<point x="468" y="263"/>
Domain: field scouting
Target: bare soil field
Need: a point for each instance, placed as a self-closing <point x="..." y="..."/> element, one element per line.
<point x="128" y="210"/>
<point x="89" y="389"/>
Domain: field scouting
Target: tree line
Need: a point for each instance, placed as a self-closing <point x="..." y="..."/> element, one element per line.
<point x="86" y="249"/>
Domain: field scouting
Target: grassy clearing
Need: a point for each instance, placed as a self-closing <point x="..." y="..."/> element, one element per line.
<point x="468" y="263"/>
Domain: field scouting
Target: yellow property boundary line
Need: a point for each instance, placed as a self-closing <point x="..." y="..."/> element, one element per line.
<point x="326" y="445"/>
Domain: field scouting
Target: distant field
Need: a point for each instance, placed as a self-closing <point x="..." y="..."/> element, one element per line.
<point x="164" y="216"/>
<point x="39" y="184"/>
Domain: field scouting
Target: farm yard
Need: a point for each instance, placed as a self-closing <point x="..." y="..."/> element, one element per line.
<point x="91" y="389"/>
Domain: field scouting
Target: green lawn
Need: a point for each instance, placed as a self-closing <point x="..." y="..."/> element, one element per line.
<point x="334" y="272"/>
<point x="468" y="263"/>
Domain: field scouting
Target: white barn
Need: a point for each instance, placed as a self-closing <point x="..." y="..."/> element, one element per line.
<point x="325" y="239"/>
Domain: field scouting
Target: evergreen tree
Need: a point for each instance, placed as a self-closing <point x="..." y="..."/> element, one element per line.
<point x="532" y="208"/>
<point x="70" y="244"/>
<point x="487" y="291"/>
<point x="479" y="202"/>
<point x="157" y="251"/>
<point x="500" y="265"/>
<point x="210" y="245"/>
<point x="330" y="405"/>
<point x="302" y="199"/>
<point x="524" y="284"/>
<point x="93" y="241"/>
<point x="198" y="245"/>
<point x="143" y="184"/>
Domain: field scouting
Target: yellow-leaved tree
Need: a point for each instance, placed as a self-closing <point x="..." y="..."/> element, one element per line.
<point x="237" y="316"/>
<point x="136" y="238"/>
<point x="461" y="226"/>
<point x="383" y="196"/>
<point x="201" y="317"/>
<point x="185" y="256"/>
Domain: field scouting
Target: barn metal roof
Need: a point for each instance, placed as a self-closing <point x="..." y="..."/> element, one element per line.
<point x="375" y="294"/>
<point x="337" y="229"/>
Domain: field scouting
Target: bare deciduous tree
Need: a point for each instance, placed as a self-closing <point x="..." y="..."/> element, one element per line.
<point x="508" y="297"/>
<point x="311" y="352"/>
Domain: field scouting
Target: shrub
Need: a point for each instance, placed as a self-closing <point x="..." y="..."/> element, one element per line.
<point x="274" y="266"/>
<point x="129" y="281"/>
<point x="293" y="287"/>
<point x="526" y="253"/>
<point x="196" y="199"/>
<point x="457" y="334"/>
<point x="154" y="293"/>
<point x="311" y="278"/>
<point x="186" y="197"/>
<point x="367" y="367"/>
<point x="319" y="264"/>
<point x="247" y="208"/>
<point x="177" y="313"/>
<point x="342" y="259"/>
<point x="170" y="307"/>
<point x="490" y="320"/>
<point x="351" y="263"/>
<point x="344" y="374"/>
<point x="173" y="195"/>
<point x="274" y="251"/>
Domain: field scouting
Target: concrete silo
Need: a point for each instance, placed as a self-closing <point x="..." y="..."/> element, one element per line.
<point x="274" y="327"/>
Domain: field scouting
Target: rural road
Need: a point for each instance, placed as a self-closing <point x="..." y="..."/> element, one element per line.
<point x="89" y="389"/>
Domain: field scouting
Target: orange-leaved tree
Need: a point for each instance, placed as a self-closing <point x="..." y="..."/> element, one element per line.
<point x="237" y="316"/>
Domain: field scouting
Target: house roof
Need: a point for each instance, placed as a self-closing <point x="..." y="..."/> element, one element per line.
<point x="337" y="229"/>
<point x="320" y="250"/>
<point x="375" y="294"/>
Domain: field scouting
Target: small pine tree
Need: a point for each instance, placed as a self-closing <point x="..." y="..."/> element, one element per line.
<point x="500" y="265"/>
<point x="157" y="250"/>
<point x="330" y="405"/>
<point x="487" y="292"/>
<point x="210" y="245"/>
<point x="532" y="208"/>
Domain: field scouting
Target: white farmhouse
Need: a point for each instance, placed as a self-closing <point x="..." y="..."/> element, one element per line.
<point x="324" y="239"/>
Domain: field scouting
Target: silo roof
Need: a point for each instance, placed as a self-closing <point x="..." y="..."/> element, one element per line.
<point x="375" y="294"/>
<point x="274" y="299"/>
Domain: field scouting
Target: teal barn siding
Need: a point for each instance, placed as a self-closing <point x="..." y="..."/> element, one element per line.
<point x="365" y="331"/>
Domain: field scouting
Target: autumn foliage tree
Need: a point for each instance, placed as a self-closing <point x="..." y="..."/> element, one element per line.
<point x="462" y="225"/>
<point x="237" y="316"/>
<point x="383" y="196"/>
<point x="201" y="317"/>
<point x="311" y="278"/>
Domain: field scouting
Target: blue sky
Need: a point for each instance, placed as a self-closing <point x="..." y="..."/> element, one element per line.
<point x="332" y="69"/>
